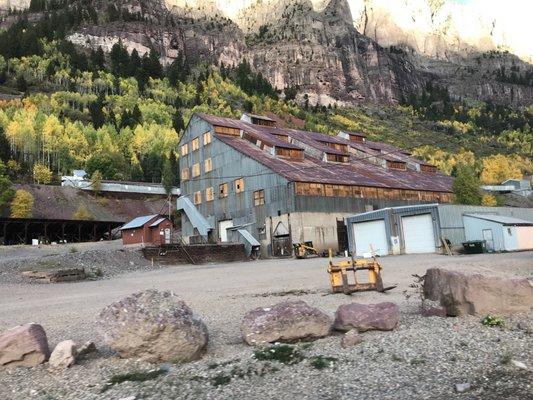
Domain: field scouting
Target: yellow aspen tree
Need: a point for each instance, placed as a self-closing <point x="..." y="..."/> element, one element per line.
<point x="22" y="204"/>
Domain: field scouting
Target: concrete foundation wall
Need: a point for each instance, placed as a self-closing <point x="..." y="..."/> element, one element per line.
<point x="318" y="227"/>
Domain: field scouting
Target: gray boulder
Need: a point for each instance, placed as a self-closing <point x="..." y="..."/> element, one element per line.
<point x="477" y="294"/>
<point x="288" y="321"/>
<point x="366" y="317"/>
<point x="24" y="345"/>
<point x="153" y="326"/>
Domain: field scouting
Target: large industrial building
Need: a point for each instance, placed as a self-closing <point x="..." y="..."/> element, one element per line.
<point x="254" y="182"/>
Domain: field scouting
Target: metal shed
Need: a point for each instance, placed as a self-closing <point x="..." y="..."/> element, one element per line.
<point x="395" y="230"/>
<point x="501" y="233"/>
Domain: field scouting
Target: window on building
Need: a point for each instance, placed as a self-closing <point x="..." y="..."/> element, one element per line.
<point x="396" y="165"/>
<point x="259" y="197"/>
<point x="337" y="158"/>
<point x="223" y="190"/>
<point x="225" y="130"/>
<point x="289" y="153"/>
<point x="428" y="168"/>
<point x="208" y="165"/>
<point x="198" y="197"/>
<point x="239" y="185"/>
<point x="207" y="138"/>
<point x="209" y="194"/>
<point x="185" y="174"/>
<point x="185" y="149"/>
<point x="195" y="170"/>
<point x="195" y="144"/>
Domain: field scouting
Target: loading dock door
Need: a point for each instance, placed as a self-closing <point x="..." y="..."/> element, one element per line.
<point x="371" y="234"/>
<point x="418" y="234"/>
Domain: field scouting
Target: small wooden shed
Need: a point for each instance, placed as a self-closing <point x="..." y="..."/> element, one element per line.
<point x="148" y="229"/>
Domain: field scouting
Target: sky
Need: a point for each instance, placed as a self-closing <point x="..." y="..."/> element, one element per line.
<point x="514" y="21"/>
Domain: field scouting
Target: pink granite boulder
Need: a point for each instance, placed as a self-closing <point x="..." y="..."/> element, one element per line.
<point x="365" y="317"/>
<point x="24" y="345"/>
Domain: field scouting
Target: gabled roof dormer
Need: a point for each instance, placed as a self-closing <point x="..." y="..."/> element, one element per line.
<point x="258" y="119"/>
<point x="352" y="136"/>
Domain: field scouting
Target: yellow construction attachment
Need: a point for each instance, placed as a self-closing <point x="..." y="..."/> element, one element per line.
<point x="343" y="275"/>
<point x="305" y="250"/>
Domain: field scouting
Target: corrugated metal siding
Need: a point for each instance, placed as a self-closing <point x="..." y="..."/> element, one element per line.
<point x="393" y="221"/>
<point x="474" y="231"/>
<point x="451" y="218"/>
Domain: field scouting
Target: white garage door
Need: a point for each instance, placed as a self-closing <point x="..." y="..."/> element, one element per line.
<point x="369" y="235"/>
<point x="418" y="234"/>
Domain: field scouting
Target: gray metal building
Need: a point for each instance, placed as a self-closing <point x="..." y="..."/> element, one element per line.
<point x="251" y="181"/>
<point x="419" y="228"/>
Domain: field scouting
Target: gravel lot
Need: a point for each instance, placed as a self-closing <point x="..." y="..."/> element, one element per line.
<point x="100" y="260"/>
<point x="421" y="359"/>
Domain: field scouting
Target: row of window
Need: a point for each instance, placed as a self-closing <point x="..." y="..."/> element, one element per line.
<point x="319" y="189"/>
<point x="258" y="195"/>
<point x="196" y="170"/>
<point x="195" y="143"/>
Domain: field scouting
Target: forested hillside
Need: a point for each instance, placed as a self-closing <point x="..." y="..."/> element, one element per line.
<point x="121" y="114"/>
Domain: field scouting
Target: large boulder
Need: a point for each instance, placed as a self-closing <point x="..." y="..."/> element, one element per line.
<point x="366" y="317"/>
<point x="153" y="326"/>
<point x="477" y="294"/>
<point x="288" y="321"/>
<point x="24" y="345"/>
<point x="64" y="355"/>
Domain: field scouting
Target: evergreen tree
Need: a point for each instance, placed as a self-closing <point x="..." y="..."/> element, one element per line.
<point x="151" y="64"/>
<point x="167" y="177"/>
<point x="98" y="59"/>
<point x="177" y="121"/>
<point x="5" y="149"/>
<point x="119" y="60"/>
<point x="134" y="64"/>
<point x="22" y="85"/>
<point x="96" y="111"/>
<point x="6" y="191"/>
<point x="466" y="186"/>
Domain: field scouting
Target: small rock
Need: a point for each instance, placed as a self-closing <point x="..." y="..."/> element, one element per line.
<point x="64" y="355"/>
<point x="287" y="321"/>
<point x="364" y="317"/>
<point x="351" y="338"/>
<point x="86" y="348"/>
<point x="24" y="345"/>
<point x="526" y="326"/>
<point x="519" y="364"/>
<point x="462" y="387"/>
<point x="128" y="398"/>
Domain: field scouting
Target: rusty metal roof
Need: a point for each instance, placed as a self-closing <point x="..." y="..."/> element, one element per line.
<point x="359" y="171"/>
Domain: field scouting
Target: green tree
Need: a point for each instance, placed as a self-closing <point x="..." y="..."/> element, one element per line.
<point x="466" y="186"/>
<point x="6" y="191"/>
<point x="167" y="177"/>
<point x="22" y="204"/>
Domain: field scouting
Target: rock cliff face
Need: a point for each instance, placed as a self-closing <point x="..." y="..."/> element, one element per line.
<point x="334" y="51"/>
<point x="323" y="54"/>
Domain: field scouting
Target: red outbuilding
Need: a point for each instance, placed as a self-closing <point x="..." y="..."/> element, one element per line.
<point x="149" y="229"/>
